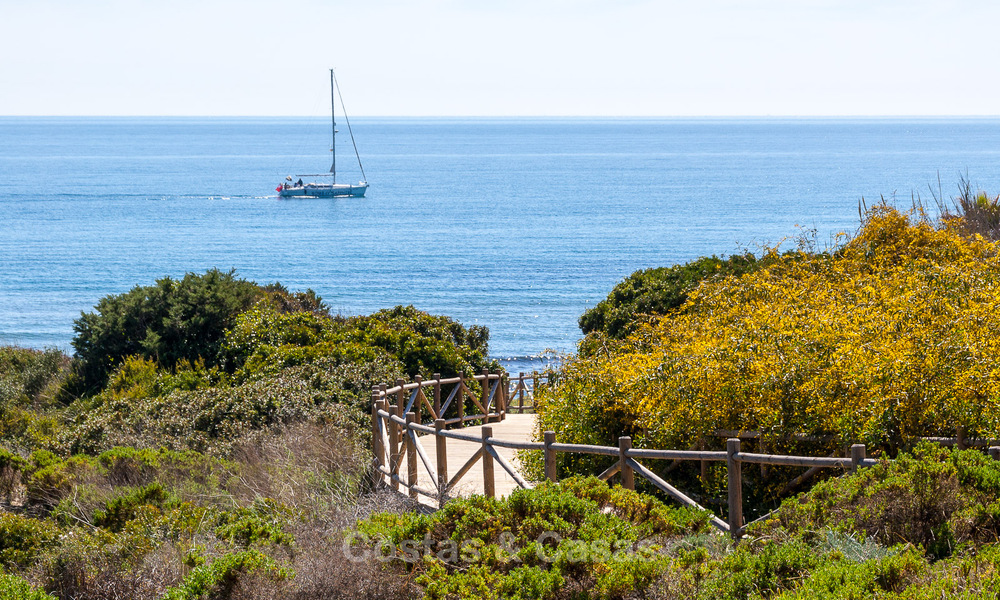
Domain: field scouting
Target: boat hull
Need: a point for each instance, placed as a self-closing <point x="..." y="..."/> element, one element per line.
<point x="325" y="190"/>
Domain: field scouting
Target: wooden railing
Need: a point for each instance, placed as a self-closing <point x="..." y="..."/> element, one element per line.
<point x="430" y="406"/>
<point x="397" y="418"/>
<point x="523" y="388"/>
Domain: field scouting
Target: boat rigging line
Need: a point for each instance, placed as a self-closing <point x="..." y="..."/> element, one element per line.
<point x="356" y="153"/>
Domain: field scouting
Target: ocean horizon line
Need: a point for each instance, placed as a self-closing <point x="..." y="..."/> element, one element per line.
<point x="846" y="117"/>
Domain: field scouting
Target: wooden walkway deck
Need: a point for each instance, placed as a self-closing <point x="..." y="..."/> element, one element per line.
<point x="515" y="428"/>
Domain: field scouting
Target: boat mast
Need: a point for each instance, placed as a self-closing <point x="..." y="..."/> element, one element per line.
<point x="364" y="178"/>
<point x="333" y="119"/>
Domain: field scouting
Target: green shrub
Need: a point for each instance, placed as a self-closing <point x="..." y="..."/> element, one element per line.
<point x="655" y="292"/>
<point x="540" y="543"/>
<point x="25" y="373"/>
<point x="934" y="498"/>
<point x="140" y="377"/>
<point x="880" y="577"/>
<point x="130" y="466"/>
<point x="22" y="539"/>
<point x="288" y="367"/>
<point x="125" y="506"/>
<point x="166" y="322"/>
<point x="213" y="419"/>
<point x="15" y="588"/>
<point x="265" y="340"/>
<point x="52" y="480"/>
<point x="217" y="580"/>
<point x="483" y="583"/>
<point x="263" y="522"/>
<point x="761" y="572"/>
<point x="29" y="382"/>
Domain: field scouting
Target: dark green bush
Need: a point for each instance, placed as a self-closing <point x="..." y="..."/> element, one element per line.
<point x="131" y="466"/>
<point x="653" y="292"/>
<point x="287" y="367"/>
<point x="120" y="472"/>
<point x="877" y="578"/>
<point x="22" y="539"/>
<point x="124" y="507"/>
<point x="763" y="571"/>
<point x="283" y="300"/>
<point x="166" y="322"/>
<point x="29" y="383"/>
<point x="265" y="340"/>
<point x="51" y="480"/>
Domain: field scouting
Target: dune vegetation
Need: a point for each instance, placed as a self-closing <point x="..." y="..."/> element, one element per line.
<point x="923" y="526"/>
<point x="207" y="440"/>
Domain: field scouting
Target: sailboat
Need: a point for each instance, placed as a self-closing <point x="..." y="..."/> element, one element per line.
<point x="328" y="189"/>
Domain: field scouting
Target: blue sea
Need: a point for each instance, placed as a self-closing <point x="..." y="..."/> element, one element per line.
<point x="516" y="224"/>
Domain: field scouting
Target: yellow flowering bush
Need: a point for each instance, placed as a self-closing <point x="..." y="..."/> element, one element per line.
<point x="893" y="336"/>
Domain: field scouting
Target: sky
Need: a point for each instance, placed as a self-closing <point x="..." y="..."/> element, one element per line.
<point x="500" y="58"/>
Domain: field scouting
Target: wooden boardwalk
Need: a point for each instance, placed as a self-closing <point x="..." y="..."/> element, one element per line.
<point x="515" y="428"/>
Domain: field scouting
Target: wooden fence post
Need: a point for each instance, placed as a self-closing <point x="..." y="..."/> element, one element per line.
<point x="628" y="476"/>
<point x="460" y="397"/>
<point x="485" y="396"/>
<point x="411" y="454"/>
<point x="394" y="454"/>
<point x="418" y="379"/>
<point x="384" y="456"/>
<point x="994" y="452"/>
<point x="550" y="457"/>
<point x="735" y="488"/>
<point x="857" y="457"/>
<point x="382" y="406"/>
<point x="376" y="435"/>
<point x="440" y="444"/>
<point x="502" y="383"/>
<point x="489" y="488"/>
<point x="400" y="398"/>
<point x="520" y="393"/>
<point x="437" y="396"/>
<point x="381" y="392"/>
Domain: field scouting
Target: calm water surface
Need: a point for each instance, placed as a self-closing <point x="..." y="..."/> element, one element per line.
<point x="517" y="224"/>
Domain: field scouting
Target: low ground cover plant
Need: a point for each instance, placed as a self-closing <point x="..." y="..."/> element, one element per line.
<point x="578" y="538"/>
<point x="879" y="533"/>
